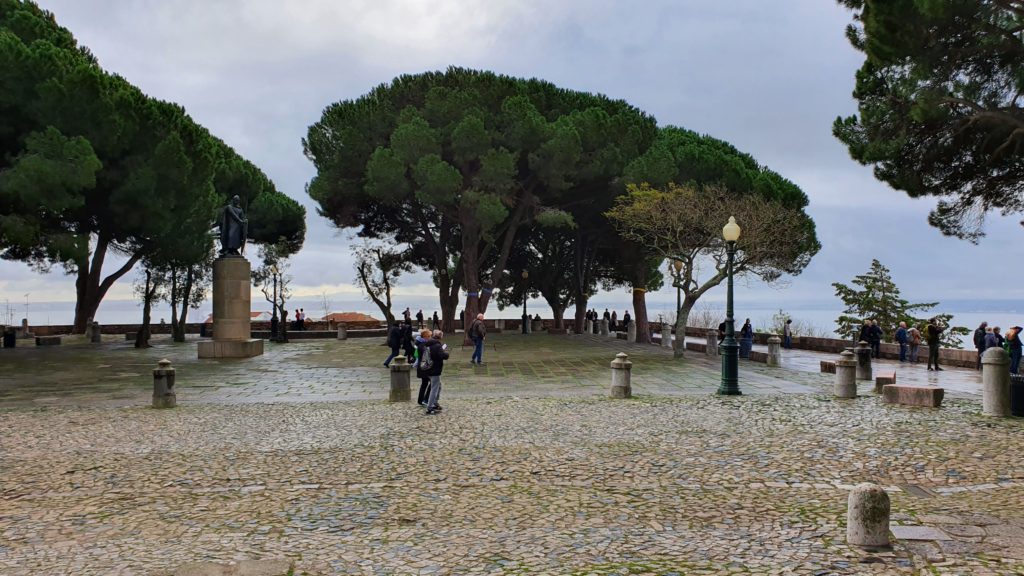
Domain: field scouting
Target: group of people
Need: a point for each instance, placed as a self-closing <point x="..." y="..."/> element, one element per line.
<point x="426" y="352"/>
<point x="986" y="337"/>
<point x="909" y="339"/>
<point x="612" y="318"/>
<point x="435" y="321"/>
<point x="746" y="337"/>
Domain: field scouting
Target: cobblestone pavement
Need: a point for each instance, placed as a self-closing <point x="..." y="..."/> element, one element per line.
<point x="528" y="470"/>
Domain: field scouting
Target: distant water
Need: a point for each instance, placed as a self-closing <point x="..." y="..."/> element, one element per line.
<point x="968" y="313"/>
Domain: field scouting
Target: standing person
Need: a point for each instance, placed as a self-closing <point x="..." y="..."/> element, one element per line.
<point x="283" y="335"/>
<point x="626" y="319"/>
<point x="407" y="315"/>
<point x="979" y="341"/>
<point x="407" y="345"/>
<point x="721" y="333"/>
<point x="787" y="334"/>
<point x="477" y="333"/>
<point x="1013" y="338"/>
<point x="901" y="339"/>
<point x="608" y="317"/>
<point x="394" y="342"/>
<point x="422" y="348"/>
<point x="865" y="332"/>
<point x="437" y="354"/>
<point x="301" y="317"/>
<point x="913" y="342"/>
<point x="876" y="339"/>
<point x="932" y="337"/>
<point x="437" y="321"/>
<point x="991" y="340"/>
<point x="462" y="317"/>
<point x="615" y="318"/>
<point x="419" y="319"/>
<point x="746" y="339"/>
<point x="1000" y="341"/>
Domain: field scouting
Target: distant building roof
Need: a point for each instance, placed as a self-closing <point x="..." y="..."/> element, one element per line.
<point x="349" y="317"/>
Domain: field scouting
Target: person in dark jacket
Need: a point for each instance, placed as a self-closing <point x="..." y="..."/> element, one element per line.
<point x="865" y="332"/>
<point x="422" y="349"/>
<point x="932" y="333"/>
<point x="979" y="341"/>
<point x="394" y="342"/>
<point x="438" y="352"/>
<point x="991" y="340"/>
<point x="626" y="319"/>
<point x="477" y="333"/>
<point x="746" y="339"/>
<point x="902" y="338"/>
<point x="1013" y="338"/>
<point x="1000" y="340"/>
<point x="407" y="345"/>
<point x="876" y="339"/>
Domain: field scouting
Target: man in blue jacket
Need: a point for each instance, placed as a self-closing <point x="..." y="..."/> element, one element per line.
<point x="901" y="339"/>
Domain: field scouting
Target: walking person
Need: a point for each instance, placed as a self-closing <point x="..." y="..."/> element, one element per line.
<point x="437" y="353"/>
<point x="394" y="342"/>
<point x="1013" y="339"/>
<point x="787" y="334"/>
<point x="407" y="344"/>
<point x="419" y="320"/>
<point x="477" y="333"/>
<point x="979" y="341"/>
<point x="913" y="342"/>
<point x="876" y="339"/>
<point x="901" y="339"/>
<point x="932" y="337"/>
<point x="422" y="349"/>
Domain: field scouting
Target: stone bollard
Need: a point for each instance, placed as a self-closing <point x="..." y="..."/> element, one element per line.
<point x="538" y="326"/>
<point x="867" y="516"/>
<point x="712" y="349"/>
<point x="400" y="368"/>
<point x="995" y="383"/>
<point x="863" y="352"/>
<point x="774" y="350"/>
<point x="588" y="326"/>
<point x="96" y="336"/>
<point x="846" y="376"/>
<point x="529" y="326"/>
<point x="163" y="386"/>
<point x="620" y="376"/>
<point x="499" y="325"/>
<point x="631" y="333"/>
<point x="666" y="335"/>
<point x="342" y="332"/>
<point x="604" y="327"/>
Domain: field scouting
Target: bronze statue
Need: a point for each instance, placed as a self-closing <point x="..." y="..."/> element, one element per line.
<point x="233" y="229"/>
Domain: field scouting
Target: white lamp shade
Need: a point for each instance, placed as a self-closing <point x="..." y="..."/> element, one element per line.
<point x="731" y="231"/>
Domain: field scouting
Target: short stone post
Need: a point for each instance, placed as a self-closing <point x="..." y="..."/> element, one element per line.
<point x="96" y="336"/>
<point x="995" y="383"/>
<point x="774" y="350"/>
<point x="529" y="325"/>
<point x="538" y="326"/>
<point x="400" y="380"/>
<point x="620" y="376"/>
<point x="666" y="335"/>
<point x="499" y="325"/>
<point x="604" y="327"/>
<point x="846" y="376"/>
<point x="631" y="333"/>
<point x="163" y="386"/>
<point x="342" y="332"/>
<point x="863" y="352"/>
<point x="867" y="516"/>
<point x="712" y="348"/>
<point x="588" y="326"/>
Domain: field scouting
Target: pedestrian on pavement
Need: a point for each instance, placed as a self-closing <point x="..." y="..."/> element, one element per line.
<point x="419" y="320"/>
<point x="615" y="319"/>
<point x="913" y="342"/>
<point x="991" y="340"/>
<point x="394" y="342"/>
<point x="407" y="315"/>
<point x="1013" y="338"/>
<point x="932" y="337"/>
<point x="422" y="348"/>
<point x="979" y="341"/>
<point x="1000" y="340"/>
<point x="746" y="339"/>
<point x="865" y="332"/>
<point x="437" y="353"/>
<point x="787" y="334"/>
<point x="721" y="332"/>
<point x="902" y="340"/>
<point x="876" y="339"/>
<point x="477" y="333"/>
<point x="626" y="319"/>
<point x="407" y="341"/>
<point x="436" y="322"/>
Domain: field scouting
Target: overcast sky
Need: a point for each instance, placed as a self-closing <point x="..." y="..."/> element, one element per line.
<point x="768" y="79"/>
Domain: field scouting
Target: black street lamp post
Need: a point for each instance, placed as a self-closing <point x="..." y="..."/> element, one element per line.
<point x="730" y="348"/>
<point x="526" y="317"/>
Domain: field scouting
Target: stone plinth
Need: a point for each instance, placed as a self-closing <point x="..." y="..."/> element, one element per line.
<point x="863" y="353"/>
<point x="621" y="367"/>
<point x="995" y="383"/>
<point x="604" y="327"/>
<point x="163" y="386"/>
<point x="95" y="333"/>
<point x="232" y="303"/>
<point x="342" y="332"/>
<point x="925" y="396"/>
<point x="631" y="333"/>
<point x="712" y="346"/>
<point x="588" y="326"/>
<point x="666" y="335"/>
<point x="846" y="382"/>
<point x="400" y="390"/>
<point x="867" y="516"/>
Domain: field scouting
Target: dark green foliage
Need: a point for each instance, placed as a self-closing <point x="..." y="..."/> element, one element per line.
<point x="939" y="104"/>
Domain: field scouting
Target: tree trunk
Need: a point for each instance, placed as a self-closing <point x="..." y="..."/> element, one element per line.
<point x="142" y="336"/>
<point x="558" y="312"/>
<point x="682" y="315"/>
<point x="643" y="326"/>
<point x="178" y="327"/>
<point x="581" y="312"/>
<point x="90" y="290"/>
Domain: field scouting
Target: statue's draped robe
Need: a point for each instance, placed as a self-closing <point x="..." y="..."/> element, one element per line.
<point x="232" y="230"/>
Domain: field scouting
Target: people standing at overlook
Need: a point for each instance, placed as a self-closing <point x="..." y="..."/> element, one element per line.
<point x="746" y="339"/>
<point x="979" y="341"/>
<point x="436" y="321"/>
<point x="1000" y="340"/>
<point x="902" y="339"/>
<point x="787" y="334"/>
<point x="1013" y="338"/>
<point x="991" y="340"/>
<point x="914" y="343"/>
<point x="626" y="319"/>
<point x="865" y="332"/>
<point x="614" y="320"/>
<point x="876" y="339"/>
<point x="419" y="319"/>
<point x="932" y="337"/>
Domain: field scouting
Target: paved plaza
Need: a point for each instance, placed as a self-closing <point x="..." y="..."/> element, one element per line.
<point x="530" y="469"/>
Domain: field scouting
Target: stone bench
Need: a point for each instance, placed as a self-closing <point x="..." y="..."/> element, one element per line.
<point x="883" y="381"/>
<point x="828" y="367"/>
<point x="47" y="340"/>
<point x="697" y="347"/>
<point x="926" y="396"/>
<point x="761" y="357"/>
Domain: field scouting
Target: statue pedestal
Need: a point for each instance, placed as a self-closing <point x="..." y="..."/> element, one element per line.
<point x="232" y="302"/>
